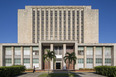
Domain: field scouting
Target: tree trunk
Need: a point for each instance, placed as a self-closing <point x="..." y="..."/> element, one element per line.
<point x="48" y="67"/>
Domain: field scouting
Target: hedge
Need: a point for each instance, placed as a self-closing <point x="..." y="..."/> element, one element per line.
<point x="10" y="71"/>
<point x="109" y="71"/>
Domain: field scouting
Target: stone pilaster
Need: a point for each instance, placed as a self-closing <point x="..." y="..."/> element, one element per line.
<point x="22" y="56"/>
<point x="12" y="55"/>
<point x="94" y="59"/>
<point x="51" y="49"/>
<point x="76" y="54"/>
<point x="31" y="57"/>
<point x="40" y="56"/>
<point x="64" y="52"/>
<point x="103" y="56"/>
<point x="84" y="57"/>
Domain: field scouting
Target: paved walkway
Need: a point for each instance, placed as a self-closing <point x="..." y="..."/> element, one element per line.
<point x="36" y="74"/>
<point x="80" y="74"/>
<point x="88" y="74"/>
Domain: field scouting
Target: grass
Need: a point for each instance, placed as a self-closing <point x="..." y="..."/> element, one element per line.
<point x="58" y="75"/>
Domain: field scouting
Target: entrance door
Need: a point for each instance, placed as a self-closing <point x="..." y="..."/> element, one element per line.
<point x="58" y="65"/>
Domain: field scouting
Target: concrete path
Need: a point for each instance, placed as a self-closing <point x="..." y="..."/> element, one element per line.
<point x="36" y="74"/>
<point x="88" y="74"/>
<point x="79" y="74"/>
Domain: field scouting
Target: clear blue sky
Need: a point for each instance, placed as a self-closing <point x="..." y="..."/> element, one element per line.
<point x="8" y="17"/>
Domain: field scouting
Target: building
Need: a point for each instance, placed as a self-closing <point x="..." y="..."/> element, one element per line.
<point x="60" y="29"/>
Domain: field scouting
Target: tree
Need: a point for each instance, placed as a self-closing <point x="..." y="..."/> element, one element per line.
<point x="50" y="55"/>
<point x="70" y="57"/>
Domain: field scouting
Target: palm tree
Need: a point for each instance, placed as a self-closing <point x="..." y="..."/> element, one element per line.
<point x="70" y="57"/>
<point x="50" y="55"/>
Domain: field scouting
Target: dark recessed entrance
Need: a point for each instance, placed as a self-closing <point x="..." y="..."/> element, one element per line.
<point x="58" y="65"/>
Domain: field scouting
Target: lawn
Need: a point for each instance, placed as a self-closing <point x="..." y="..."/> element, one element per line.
<point x="57" y="75"/>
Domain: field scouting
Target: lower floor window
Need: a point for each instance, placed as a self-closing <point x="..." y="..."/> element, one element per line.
<point x="98" y="60"/>
<point x="107" y="60"/>
<point x="89" y="60"/>
<point x="17" y="60"/>
<point x="35" y="60"/>
<point x="8" y="61"/>
<point x="26" y="60"/>
<point x="80" y="60"/>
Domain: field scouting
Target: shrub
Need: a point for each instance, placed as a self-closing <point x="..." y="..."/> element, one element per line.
<point x="9" y="71"/>
<point x="109" y="71"/>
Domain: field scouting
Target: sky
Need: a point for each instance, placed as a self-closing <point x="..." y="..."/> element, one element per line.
<point x="9" y="8"/>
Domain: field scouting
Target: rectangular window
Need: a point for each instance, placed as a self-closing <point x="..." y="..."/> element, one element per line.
<point x="26" y="60"/>
<point x="98" y="60"/>
<point x="17" y="51"/>
<point x="107" y="51"/>
<point x="90" y="60"/>
<point x="80" y="50"/>
<point x="8" y="51"/>
<point x="17" y="60"/>
<point x="80" y="60"/>
<point x="99" y="51"/>
<point x="107" y="60"/>
<point x="26" y="50"/>
<point x="90" y="51"/>
<point x="8" y="61"/>
<point x="35" y="60"/>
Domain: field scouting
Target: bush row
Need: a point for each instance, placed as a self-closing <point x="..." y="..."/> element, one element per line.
<point x="10" y="71"/>
<point x="109" y="71"/>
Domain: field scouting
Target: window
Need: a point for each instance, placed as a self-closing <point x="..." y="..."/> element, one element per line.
<point x="80" y="60"/>
<point x="58" y="50"/>
<point x="17" y="51"/>
<point x="17" y="60"/>
<point x="98" y="60"/>
<point x="90" y="60"/>
<point x="107" y="60"/>
<point x="26" y="60"/>
<point x="99" y="51"/>
<point x="26" y="50"/>
<point x="8" y="60"/>
<point x="107" y="51"/>
<point x="80" y="50"/>
<point x="35" y="60"/>
<point x="8" y="51"/>
<point x="90" y="51"/>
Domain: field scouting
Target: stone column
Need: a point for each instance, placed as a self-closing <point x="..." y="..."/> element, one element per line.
<point x="22" y="56"/>
<point x="51" y="49"/>
<point x="40" y="56"/>
<point x="94" y="59"/>
<point x="103" y="56"/>
<point x="76" y="54"/>
<point x="64" y="52"/>
<point x="31" y="57"/>
<point x="12" y="55"/>
<point x="85" y="57"/>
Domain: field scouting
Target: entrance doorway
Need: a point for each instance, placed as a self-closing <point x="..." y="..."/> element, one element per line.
<point x="58" y="65"/>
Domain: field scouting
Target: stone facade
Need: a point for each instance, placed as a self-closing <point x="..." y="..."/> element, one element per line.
<point x="58" y="23"/>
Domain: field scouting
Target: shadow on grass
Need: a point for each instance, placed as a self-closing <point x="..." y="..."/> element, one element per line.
<point x="20" y="74"/>
<point x="60" y="73"/>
